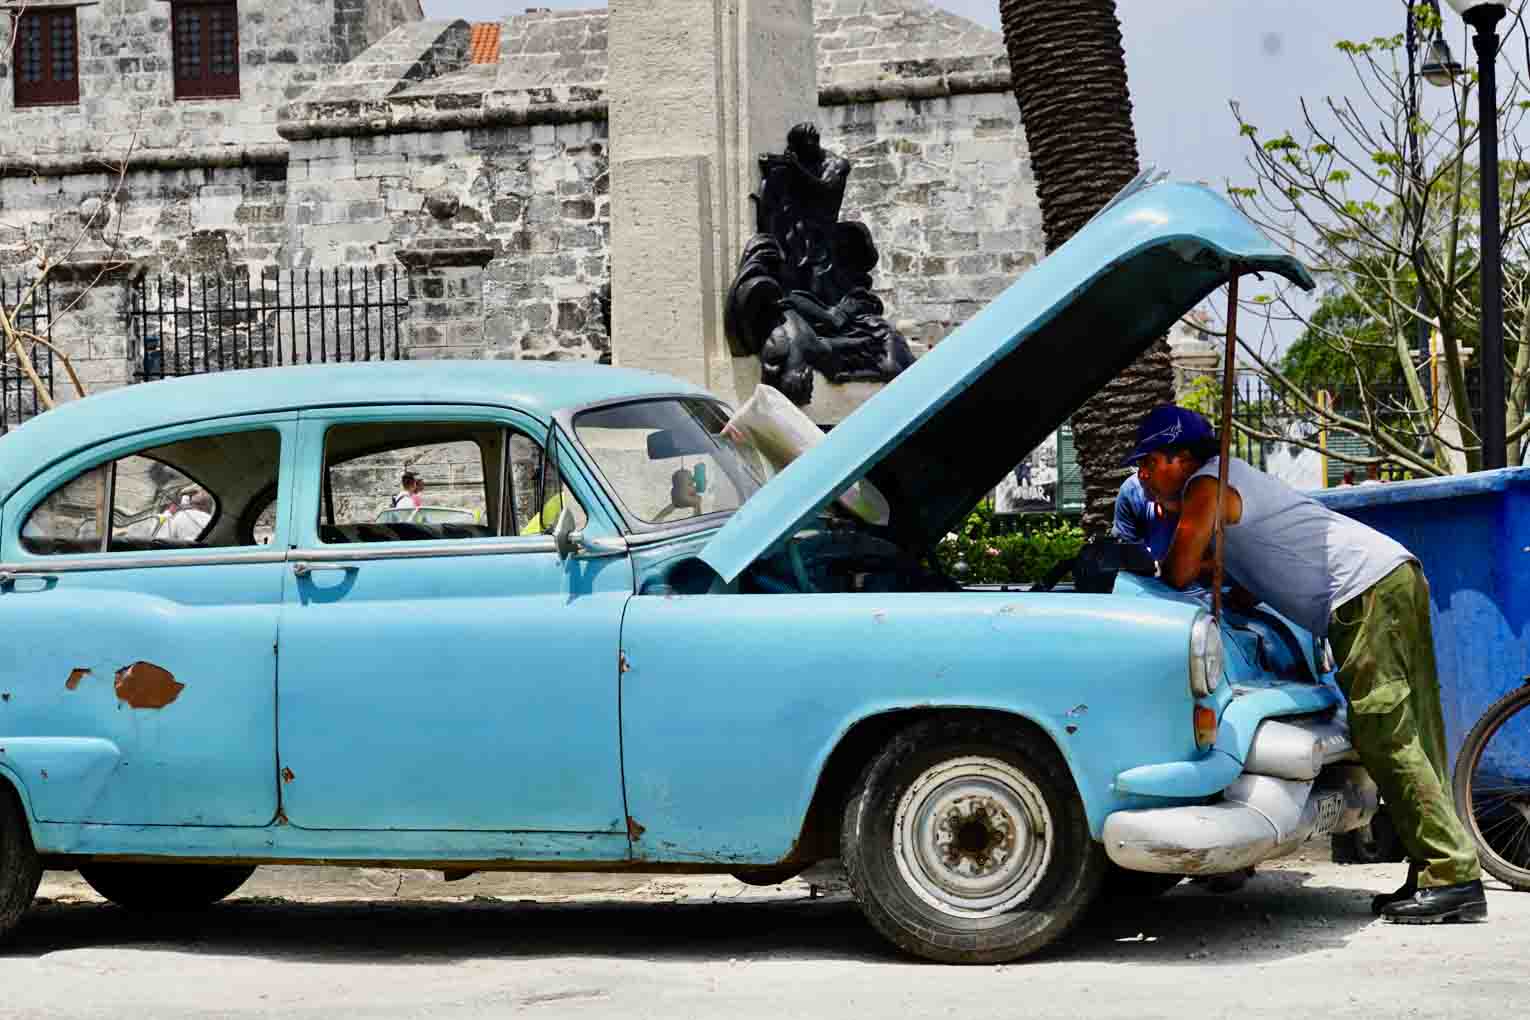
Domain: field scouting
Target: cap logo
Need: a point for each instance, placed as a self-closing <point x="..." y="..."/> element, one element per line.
<point x="1168" y="435"/>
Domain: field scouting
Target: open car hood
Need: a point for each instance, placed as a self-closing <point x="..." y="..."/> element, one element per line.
<point x="947" y="429"/>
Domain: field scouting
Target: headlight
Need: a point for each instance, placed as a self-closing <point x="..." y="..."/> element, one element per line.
<point x="1205" y="655"/>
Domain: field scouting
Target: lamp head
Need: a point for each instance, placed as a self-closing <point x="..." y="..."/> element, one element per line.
<point x="1480" y="14"/>
<point x="1440" y="67"/>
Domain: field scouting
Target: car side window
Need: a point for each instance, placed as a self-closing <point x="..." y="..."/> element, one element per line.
<point x="541" y="493"/>
<point x="415" y="481"/>
<point x="190" y="494"/>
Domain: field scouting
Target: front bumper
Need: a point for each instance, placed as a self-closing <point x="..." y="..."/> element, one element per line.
<point x="1258" y="818"/>
<point x="1300" y="783"/>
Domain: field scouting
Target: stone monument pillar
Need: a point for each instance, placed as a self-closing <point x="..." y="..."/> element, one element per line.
<point x="697" y="90"/>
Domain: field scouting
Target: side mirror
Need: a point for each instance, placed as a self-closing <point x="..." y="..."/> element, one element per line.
<point x="565" y="538"/>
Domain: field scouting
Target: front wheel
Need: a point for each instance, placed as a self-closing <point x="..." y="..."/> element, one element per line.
<point x="169" y="887"/>
<point x="1492" y="788"/>
<point x="965" y="841"/>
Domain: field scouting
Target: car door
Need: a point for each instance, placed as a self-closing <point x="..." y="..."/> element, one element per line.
<point x="448" y="676"/>
<point x="140" y="665"/>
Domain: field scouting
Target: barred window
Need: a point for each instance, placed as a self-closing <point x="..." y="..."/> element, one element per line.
<point x="205" y="38"/>
<point x="46" y="59"/>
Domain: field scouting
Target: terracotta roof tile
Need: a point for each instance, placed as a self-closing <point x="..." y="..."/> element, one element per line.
<point x="485" y="43"/>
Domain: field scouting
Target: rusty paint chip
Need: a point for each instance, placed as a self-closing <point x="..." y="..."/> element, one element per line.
<point x="75" y="676"/>
<point x="145" y="685"/>
<point x="288" y="775"/>
<point x="634" y="830"/>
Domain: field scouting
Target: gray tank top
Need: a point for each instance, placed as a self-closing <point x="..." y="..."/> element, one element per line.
<point x="1295" y="553"/>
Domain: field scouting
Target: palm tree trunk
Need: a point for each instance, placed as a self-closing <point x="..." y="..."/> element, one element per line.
<point x="1069" y="74"/>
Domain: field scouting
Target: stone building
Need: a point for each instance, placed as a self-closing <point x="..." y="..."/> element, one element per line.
<point x="475" y="157"/>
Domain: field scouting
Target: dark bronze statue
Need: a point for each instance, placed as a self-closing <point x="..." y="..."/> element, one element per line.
<point x="802" y="298"/>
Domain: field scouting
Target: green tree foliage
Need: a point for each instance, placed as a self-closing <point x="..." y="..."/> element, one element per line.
<point x="993" y="555"/>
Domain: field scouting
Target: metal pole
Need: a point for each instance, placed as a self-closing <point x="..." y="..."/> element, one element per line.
<point x="1494" y="428"/>
<point x="1229" y="359"/>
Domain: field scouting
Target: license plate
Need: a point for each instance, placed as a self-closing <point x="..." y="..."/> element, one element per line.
<point x="1330" y="809"/>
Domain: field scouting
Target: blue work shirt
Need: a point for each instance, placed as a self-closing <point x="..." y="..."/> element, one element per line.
<point x="1139" y="518"/>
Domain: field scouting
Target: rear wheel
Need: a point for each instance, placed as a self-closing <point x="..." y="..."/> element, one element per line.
<point x="20" y="867"/>
<point x="165" y="887"/>
<point x="1492" y="788"/>
<point x="966" y="842"/>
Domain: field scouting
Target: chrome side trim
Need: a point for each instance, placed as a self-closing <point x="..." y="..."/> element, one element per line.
<point x="114" y="561"/>
<point x="394" y="551"/>
<point x="678" y="530"/>
<point x="595" y="547"/>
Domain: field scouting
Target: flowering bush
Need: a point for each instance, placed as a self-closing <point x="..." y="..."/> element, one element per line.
<point x="995" y="555"/>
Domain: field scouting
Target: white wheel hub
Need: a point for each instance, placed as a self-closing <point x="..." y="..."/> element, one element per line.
<point x="972" y="836"/>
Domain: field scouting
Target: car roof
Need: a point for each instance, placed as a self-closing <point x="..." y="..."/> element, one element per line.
<point x="539" y="388"/>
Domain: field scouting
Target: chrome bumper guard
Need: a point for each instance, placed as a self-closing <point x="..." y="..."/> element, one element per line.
<point x="1299" y="785"/>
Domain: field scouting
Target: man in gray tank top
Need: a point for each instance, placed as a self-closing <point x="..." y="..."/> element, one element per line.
<point x="1367" y="595"/>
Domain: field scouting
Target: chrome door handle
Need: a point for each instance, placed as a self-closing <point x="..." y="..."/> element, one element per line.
<point x="302" y="568"/>
<point x="8" y="579"/>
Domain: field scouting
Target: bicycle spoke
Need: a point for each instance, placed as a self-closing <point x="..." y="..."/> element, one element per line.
<point x="1480" y="804"/>
<point x="1513" y="856"/>
<point x="1498" y="825"/>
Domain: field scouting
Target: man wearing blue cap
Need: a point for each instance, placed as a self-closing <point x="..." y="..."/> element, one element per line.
<point x="1367" y="595"/>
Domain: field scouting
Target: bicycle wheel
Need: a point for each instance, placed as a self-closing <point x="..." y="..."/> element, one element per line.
<point x="1492" y="788"/>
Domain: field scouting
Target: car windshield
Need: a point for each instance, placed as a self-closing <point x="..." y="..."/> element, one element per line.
<point x="667" y="460"/>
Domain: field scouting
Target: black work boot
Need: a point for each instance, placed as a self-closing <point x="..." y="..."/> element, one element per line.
<point x="1466" y="902"/>
<point x="1381" y="901"/>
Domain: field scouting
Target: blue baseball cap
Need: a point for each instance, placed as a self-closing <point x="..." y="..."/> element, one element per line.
<point x="1168" y="426"/>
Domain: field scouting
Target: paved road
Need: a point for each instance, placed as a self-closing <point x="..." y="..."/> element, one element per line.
<point x="1297" y="941"/>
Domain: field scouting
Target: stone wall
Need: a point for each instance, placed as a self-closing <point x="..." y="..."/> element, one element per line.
<point x="506" y="229"/>
<point x="490" y="182"/>
<point x="184" y="220"/>
<point x="127" y="87"/>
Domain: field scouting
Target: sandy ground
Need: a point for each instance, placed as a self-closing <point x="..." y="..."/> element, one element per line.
<point x="1298" y="940"/>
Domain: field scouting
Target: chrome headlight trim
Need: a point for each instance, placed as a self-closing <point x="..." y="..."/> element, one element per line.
<point x="1205" y="655"/>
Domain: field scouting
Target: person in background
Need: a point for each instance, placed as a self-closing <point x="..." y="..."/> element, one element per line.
<point x="190" y="518"/>
<point x="409" y="492"/>
<point x="1367" y="595"/>
<point x="1142" y="517"/>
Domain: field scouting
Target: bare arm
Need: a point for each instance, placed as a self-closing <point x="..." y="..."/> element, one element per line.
<point x="1189" y="554"/>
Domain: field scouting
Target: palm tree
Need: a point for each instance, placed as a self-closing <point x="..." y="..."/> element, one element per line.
<point x="1069" y="75"/>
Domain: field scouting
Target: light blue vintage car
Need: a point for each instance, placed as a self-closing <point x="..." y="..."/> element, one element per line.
<point x="743" y="680"/>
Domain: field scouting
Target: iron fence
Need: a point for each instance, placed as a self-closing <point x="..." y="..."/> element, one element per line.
<point x="19" y="399"/>
<point x="1278" y="419"/>
<point x="184" y="325"/>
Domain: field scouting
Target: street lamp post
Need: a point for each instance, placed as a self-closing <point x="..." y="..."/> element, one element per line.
<point x="1483" y="16"/>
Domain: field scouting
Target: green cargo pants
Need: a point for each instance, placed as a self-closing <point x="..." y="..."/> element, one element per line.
<point x="1384" y="646"/>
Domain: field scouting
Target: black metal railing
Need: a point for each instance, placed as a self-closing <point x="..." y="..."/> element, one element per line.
<point x="184" y="325"/>
<point x="19" y="399"/>
<point x="1273" y="412"/>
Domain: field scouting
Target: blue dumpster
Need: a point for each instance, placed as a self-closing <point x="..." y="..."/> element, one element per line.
<point x="1472" y="535"/>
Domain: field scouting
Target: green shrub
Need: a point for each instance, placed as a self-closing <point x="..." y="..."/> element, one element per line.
<point x="1003" y="551"/>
